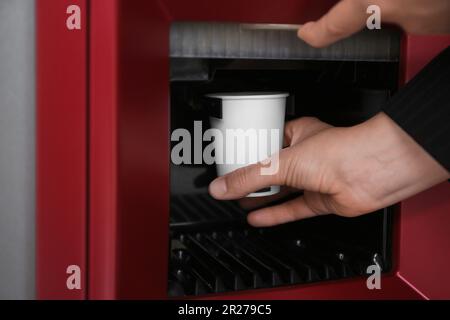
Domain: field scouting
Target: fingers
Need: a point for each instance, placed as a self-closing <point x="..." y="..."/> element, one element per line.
<point x="296" y="209"/>
<point x="344" y="19"/>
<point x="258" y="202"/>
<point x="299" y="129"/>
<point x="246" y="180"/>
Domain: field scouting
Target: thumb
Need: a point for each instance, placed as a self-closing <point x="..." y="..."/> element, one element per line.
<point x="344" y="19"/>
<point x="246" y="180"/>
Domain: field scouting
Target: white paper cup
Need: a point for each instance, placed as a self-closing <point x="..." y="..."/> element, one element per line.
<point x="252" y="127"/>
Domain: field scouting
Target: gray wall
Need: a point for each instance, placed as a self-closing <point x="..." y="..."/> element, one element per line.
<point x="17" y="156"/>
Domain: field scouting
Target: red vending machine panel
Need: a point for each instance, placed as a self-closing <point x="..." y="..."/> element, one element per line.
<point x="103" y="155"/>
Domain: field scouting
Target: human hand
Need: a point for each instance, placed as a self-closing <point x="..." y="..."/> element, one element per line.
<point x="349" y="16"/>
<point x="347" y="171"/>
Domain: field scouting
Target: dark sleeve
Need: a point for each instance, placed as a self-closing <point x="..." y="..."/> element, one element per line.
<point x="422" y="108"/>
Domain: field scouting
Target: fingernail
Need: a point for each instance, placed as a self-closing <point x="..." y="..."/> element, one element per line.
<point x="218" y="187"/>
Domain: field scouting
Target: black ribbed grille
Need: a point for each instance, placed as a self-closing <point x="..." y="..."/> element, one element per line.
<point x="201" y="210"/>
<point x="223" y="257"/>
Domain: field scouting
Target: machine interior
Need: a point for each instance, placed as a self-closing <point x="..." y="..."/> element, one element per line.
<point x="212" y="248"/>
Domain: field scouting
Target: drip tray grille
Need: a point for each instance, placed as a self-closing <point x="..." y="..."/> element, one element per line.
<point x="200" y="210"/>
<point x="231" y="260"/>
<point x="214" y="250"/>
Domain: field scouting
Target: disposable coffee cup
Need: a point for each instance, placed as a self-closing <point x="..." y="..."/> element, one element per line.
<point x="251" y="126"/>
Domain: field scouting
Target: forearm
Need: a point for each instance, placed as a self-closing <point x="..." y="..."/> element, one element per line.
<point x="422" y="108"/>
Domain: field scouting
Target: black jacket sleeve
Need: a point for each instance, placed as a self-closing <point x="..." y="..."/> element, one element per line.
<point x="422" y="108"/>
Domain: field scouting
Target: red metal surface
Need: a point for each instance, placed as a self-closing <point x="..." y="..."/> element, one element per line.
<point x="129" y="157"/>
<point x="103" y="149"/>
<point x="425" y="242"/>
<point x="256" y="11"/>
<point x="391" y="288"/>
<point x="129" y="154"/>
<point x="61" y="150"/>
<point x="143" y="142"/>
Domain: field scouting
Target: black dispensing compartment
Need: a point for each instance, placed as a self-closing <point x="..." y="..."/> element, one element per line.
<point x="212" y="248"/>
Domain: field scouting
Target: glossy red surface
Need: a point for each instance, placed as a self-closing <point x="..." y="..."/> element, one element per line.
<point x="260" y="11"/>
<point x="391" y="288"/>
<point x="425" y="242"/>
<point x="143" y="144"/>
<point x="61" y="150"/>
<point x="128" y="189"/>
<point x="103" y="150"/>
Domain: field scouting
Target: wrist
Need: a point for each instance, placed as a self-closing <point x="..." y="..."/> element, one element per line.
<point x="402" y="164"/>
